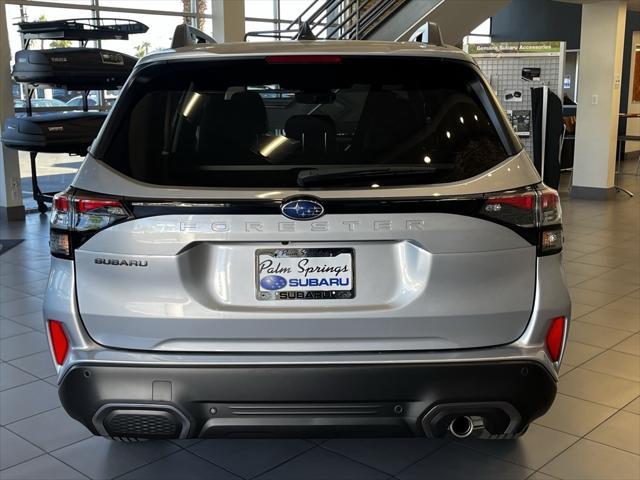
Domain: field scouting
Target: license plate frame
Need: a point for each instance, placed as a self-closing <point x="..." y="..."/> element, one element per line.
<point x="285" y="294"/>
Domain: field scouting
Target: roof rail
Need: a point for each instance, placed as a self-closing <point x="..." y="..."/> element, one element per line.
<point x="185" y="35"/>
<point x="305" y="32"/>
<point x="428" y="33"/>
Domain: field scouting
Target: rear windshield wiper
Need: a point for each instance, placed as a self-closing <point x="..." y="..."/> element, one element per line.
<point x="307" y="178"/>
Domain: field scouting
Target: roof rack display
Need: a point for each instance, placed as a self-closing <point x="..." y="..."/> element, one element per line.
<point x="65" y="132"/>
<point x="74" y="69"/>
<point x="59" y="132"/>
<point x="82" y="29"/>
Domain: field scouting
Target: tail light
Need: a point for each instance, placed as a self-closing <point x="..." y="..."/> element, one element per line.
<point x="59" y="342"/>
<point x="555" y="338"/>
<point x="534" y="212"/>
<point x="75" y="217"/>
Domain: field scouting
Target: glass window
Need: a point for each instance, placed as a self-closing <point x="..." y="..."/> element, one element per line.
<point x="253" y="26"/>
<point x="78" y="2"/>
<point x="155" y="5"/>
<point x="158" y="37"/>
<point x="292" y="9"/>
<point x="257" y="123"/>
<point x="480" y="34"/>
<point x="483" y="29"/>
<point x="259" y="9"/>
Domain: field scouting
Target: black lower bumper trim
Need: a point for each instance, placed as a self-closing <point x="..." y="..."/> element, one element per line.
<point x="307" y="400"/>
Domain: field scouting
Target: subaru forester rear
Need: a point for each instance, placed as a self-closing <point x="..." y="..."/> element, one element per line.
<point x="307" y="238"/>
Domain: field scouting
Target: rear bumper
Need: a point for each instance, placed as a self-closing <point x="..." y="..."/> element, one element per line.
<point x="305" y="400"/>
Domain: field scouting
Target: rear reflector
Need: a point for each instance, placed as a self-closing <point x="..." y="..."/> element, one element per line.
<point x="297" y="59"/>
<point x="59" y="341"/>
<point x="555" y="337"/>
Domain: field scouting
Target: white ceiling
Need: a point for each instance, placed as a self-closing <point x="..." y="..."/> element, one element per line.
<point x="631" y="4"/>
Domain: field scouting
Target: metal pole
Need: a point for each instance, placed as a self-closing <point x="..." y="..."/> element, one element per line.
<point x="357" y="19"/>
<point x="85" y="101"/>
<point x="276" y="17"/>
<point x="545" y="100"/>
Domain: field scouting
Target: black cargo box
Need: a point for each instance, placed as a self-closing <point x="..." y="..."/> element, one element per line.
<point x="67" y="132"/>
<point x="73" y="68"/>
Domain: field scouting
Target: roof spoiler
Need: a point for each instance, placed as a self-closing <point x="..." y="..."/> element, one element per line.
<point x="428" y="33"/>
<point x="185" y="35"/>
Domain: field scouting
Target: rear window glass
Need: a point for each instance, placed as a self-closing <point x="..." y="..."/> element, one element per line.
<point x="348" y="122"/>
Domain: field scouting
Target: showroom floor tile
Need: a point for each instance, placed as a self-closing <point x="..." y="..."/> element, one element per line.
<point x="591" y="431"/>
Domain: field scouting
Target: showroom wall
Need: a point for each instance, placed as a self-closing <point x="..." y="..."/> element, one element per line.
<point x="540" y="20"/>
<point x="543" y="20"/>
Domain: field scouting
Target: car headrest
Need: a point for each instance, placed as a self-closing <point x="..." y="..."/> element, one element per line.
<point x="387" y="120"/>
<point x="247" y="109"/>
<point x="317" y="133"/>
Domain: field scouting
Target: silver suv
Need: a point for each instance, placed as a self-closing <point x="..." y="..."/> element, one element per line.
<point x="307" y="239"/>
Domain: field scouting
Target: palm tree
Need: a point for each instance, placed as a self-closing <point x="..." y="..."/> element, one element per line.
<point x="202" y="7"/>
<point x="60" y="44"/>
<point x="142" y="49"/>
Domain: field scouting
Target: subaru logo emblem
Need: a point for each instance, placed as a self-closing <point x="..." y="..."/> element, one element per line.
<point x="302" y="209"/>
<point x="273" y="282"/>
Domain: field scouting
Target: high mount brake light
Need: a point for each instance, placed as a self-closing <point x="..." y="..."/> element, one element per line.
<point x="76" y="217"/>
<point x="304" y="59"/>
<point x="530" y="209"/>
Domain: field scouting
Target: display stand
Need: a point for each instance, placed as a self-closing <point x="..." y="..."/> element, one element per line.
<point x="548" y="134"/>
<point x="620" y="153"/>
<point x="511" y="69"/>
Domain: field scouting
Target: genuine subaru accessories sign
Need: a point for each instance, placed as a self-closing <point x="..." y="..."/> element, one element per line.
<point x="305" y="274"/>
<point x="302" y="209"/>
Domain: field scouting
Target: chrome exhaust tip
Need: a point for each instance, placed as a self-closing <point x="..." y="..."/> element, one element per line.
<point x="488" y="420"/>
<point x="461" y="427"/>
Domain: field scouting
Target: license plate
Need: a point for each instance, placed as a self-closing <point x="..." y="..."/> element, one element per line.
<point x="305" y="274"/>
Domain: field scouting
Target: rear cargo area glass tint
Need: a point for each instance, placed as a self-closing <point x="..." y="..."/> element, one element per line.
<point x="251" y="123"/>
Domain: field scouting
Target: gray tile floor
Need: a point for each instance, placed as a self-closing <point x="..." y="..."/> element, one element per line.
<point x="591" y="432"/>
